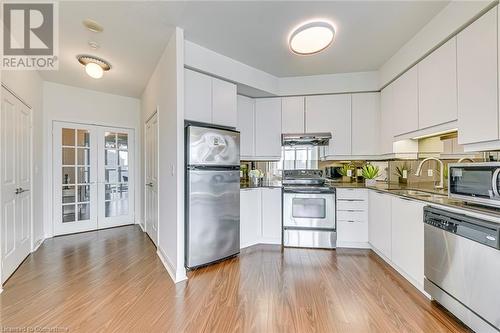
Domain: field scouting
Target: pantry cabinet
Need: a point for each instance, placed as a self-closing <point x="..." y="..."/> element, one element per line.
<point x="209" y="100"/>
<point x="408" y="237"/>
<point x="365" y="124"/>
<point x="331" y="113"/>
<point x="477" y="75"/>
<point x="437" y="86"/>
<point x="292" y="115"/>
<point x="405" y="102"/>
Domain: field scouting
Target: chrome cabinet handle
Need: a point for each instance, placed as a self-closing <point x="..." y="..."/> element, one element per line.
<point x="494" y="181"/>
<point x="20" y="190"/>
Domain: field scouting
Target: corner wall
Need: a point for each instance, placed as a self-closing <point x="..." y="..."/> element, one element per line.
<point x="165" y="93"/>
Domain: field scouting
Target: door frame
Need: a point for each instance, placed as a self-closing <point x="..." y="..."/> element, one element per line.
<point x="32" y="241"/>
<point x="53" y="123"/>
<point x="154" y="114"/>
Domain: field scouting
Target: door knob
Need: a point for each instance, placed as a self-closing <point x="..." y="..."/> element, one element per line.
<point x="149" y="184"/>
<point x="20" y="190"/>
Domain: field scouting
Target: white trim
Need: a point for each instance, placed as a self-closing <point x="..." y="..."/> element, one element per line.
<point x="170" y="267"/>
<point x="37" y="246"/>
<point x="1" y="289"/>
<point x="353" y="245"/>
<point x="140" y="225"/>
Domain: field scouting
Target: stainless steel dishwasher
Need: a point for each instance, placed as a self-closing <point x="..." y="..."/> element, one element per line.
<point x="462" y="266"/>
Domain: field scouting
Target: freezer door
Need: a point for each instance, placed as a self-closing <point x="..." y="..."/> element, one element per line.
<point x="212" y="216"/>
<point x="212" y="146"/>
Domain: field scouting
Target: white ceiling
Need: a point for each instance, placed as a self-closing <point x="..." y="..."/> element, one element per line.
<point x="255" y="33"/>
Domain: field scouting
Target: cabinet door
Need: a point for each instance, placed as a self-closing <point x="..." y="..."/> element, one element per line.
<point x="477" y="73"/>
<point x="331" y="113"/>
<point x="405" y="99"/>
<point x="365" y="123"/>
<point x="268" y="128"/>
<point x="246" y="125"/>
<point x="197" y="96"/>
<point x="379" y="222"/>
<point x="408" y="237"/>
<point x="271" y="215"/>
<point x="250" y="217"/>
<point x="292" y="115"/>
<point x="224" y="103"/>
<point x="386" y="121"/>
<point x="437" y="86"/>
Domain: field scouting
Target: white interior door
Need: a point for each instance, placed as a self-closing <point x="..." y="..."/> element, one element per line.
<point x="151" y="181"/>
<point x="15" y="181"/>
<point x="93" y="177"/>
<point x="75" y="178"/>
<point x="116" y="177"/>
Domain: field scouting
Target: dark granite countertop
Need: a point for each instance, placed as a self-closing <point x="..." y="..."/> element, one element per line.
<point x="437" y="197"/>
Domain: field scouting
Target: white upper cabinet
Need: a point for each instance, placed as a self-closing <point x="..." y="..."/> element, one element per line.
<point x="408" y="237"/>
<point x="365" y="123"/>
<point x="437" y="86"/>
<point x="292" y="115"/>
<point x="386" y="121"/>
<point x="405" y="102"/>
<point x="246" y="126"/>
<point x="477" y="73"/>
<point x="331" y="113"/>
<point x="268" y="128"/>
<point x="209" y="100"/>
<point x="224" y="103"/>
<point x="197" y="96"/>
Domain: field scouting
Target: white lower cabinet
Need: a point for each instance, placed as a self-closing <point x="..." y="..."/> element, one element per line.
<point x="408" y="238"/>
<point x="260" y="216"/>
<point x="352" y="218"/>
<point x="379" y="222"/>
<point x="250" y="217"/>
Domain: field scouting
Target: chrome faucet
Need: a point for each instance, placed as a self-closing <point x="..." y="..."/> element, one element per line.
<point x="465" y="158"/>
<point x="441" y="170"/>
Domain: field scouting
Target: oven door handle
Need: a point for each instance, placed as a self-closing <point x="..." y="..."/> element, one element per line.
<point x="494" y="182"/>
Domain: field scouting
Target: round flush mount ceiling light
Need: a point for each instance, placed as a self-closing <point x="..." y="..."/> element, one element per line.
<point x="311" y="37"/>
<point x="94" y="67"/>
<point x="92" y="25"/>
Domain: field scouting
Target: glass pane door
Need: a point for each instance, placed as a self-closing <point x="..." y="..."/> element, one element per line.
<point x="74" y="179"/>
<point x="115" y="198"/>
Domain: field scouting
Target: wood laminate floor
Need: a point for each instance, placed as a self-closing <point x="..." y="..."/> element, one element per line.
<point x="112" y="281"/>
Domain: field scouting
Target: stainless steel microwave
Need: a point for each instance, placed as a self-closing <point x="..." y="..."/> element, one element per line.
<point x="475" y="182"/>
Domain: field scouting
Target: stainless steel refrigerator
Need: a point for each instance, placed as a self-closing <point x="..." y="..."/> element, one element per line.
<point x="212" y="195"/>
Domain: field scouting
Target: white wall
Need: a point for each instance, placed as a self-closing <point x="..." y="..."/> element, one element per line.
<point x="28" y="86"/>
<point x="165" y="93"/>
<point x="446" y="23"/>
<point x="71" y="104"/>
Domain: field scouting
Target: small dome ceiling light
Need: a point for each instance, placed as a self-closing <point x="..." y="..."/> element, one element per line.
<point x="311" y="37"/>
<point x="92" y="25"/>
<point x="94" y="67"/>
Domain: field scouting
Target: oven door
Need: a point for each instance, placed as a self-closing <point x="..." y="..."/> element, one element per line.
<point x="309" y="210"/>
<point x="475" y="182"/>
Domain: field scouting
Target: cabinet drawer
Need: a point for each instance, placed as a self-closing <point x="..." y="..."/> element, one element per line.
<point x="351" y="193"/>
<point x="356" y="232"/>
<point x="344" y="215"/>
<point x="352" y="204"/>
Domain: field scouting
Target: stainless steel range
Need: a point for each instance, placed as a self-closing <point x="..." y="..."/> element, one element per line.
<point x="308" y="210"/>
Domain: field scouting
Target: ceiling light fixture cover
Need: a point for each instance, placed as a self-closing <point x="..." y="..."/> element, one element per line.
<point x="311" y="37"/>
<point x="94" y="67"/>
<point x="92" y="25"/>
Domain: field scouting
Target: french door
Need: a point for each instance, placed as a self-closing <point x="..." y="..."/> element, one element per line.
<point x="151" y="190"/>
<point x="93" y="177"/>
<point x="15" y="183"/>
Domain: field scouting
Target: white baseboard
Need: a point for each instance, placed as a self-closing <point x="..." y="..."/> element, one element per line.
<point x="1" y="290"/>
<point x="141" y="226"/>
<point x="353" y="245"/>
<point x="170" y="267"/>
<point x="37" y="245"/>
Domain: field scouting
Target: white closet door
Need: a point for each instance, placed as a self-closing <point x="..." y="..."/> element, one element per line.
<point x="115" y="176"/>
<point x="75" y="178"/>
<point x="151" y="188"/>
<point x="15" y="183"/>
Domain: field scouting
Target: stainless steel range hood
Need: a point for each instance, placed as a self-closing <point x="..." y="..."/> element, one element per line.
<point x="306" y="139"/>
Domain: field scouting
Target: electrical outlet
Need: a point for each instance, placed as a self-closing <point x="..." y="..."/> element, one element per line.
<point x="430" y="172"/>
